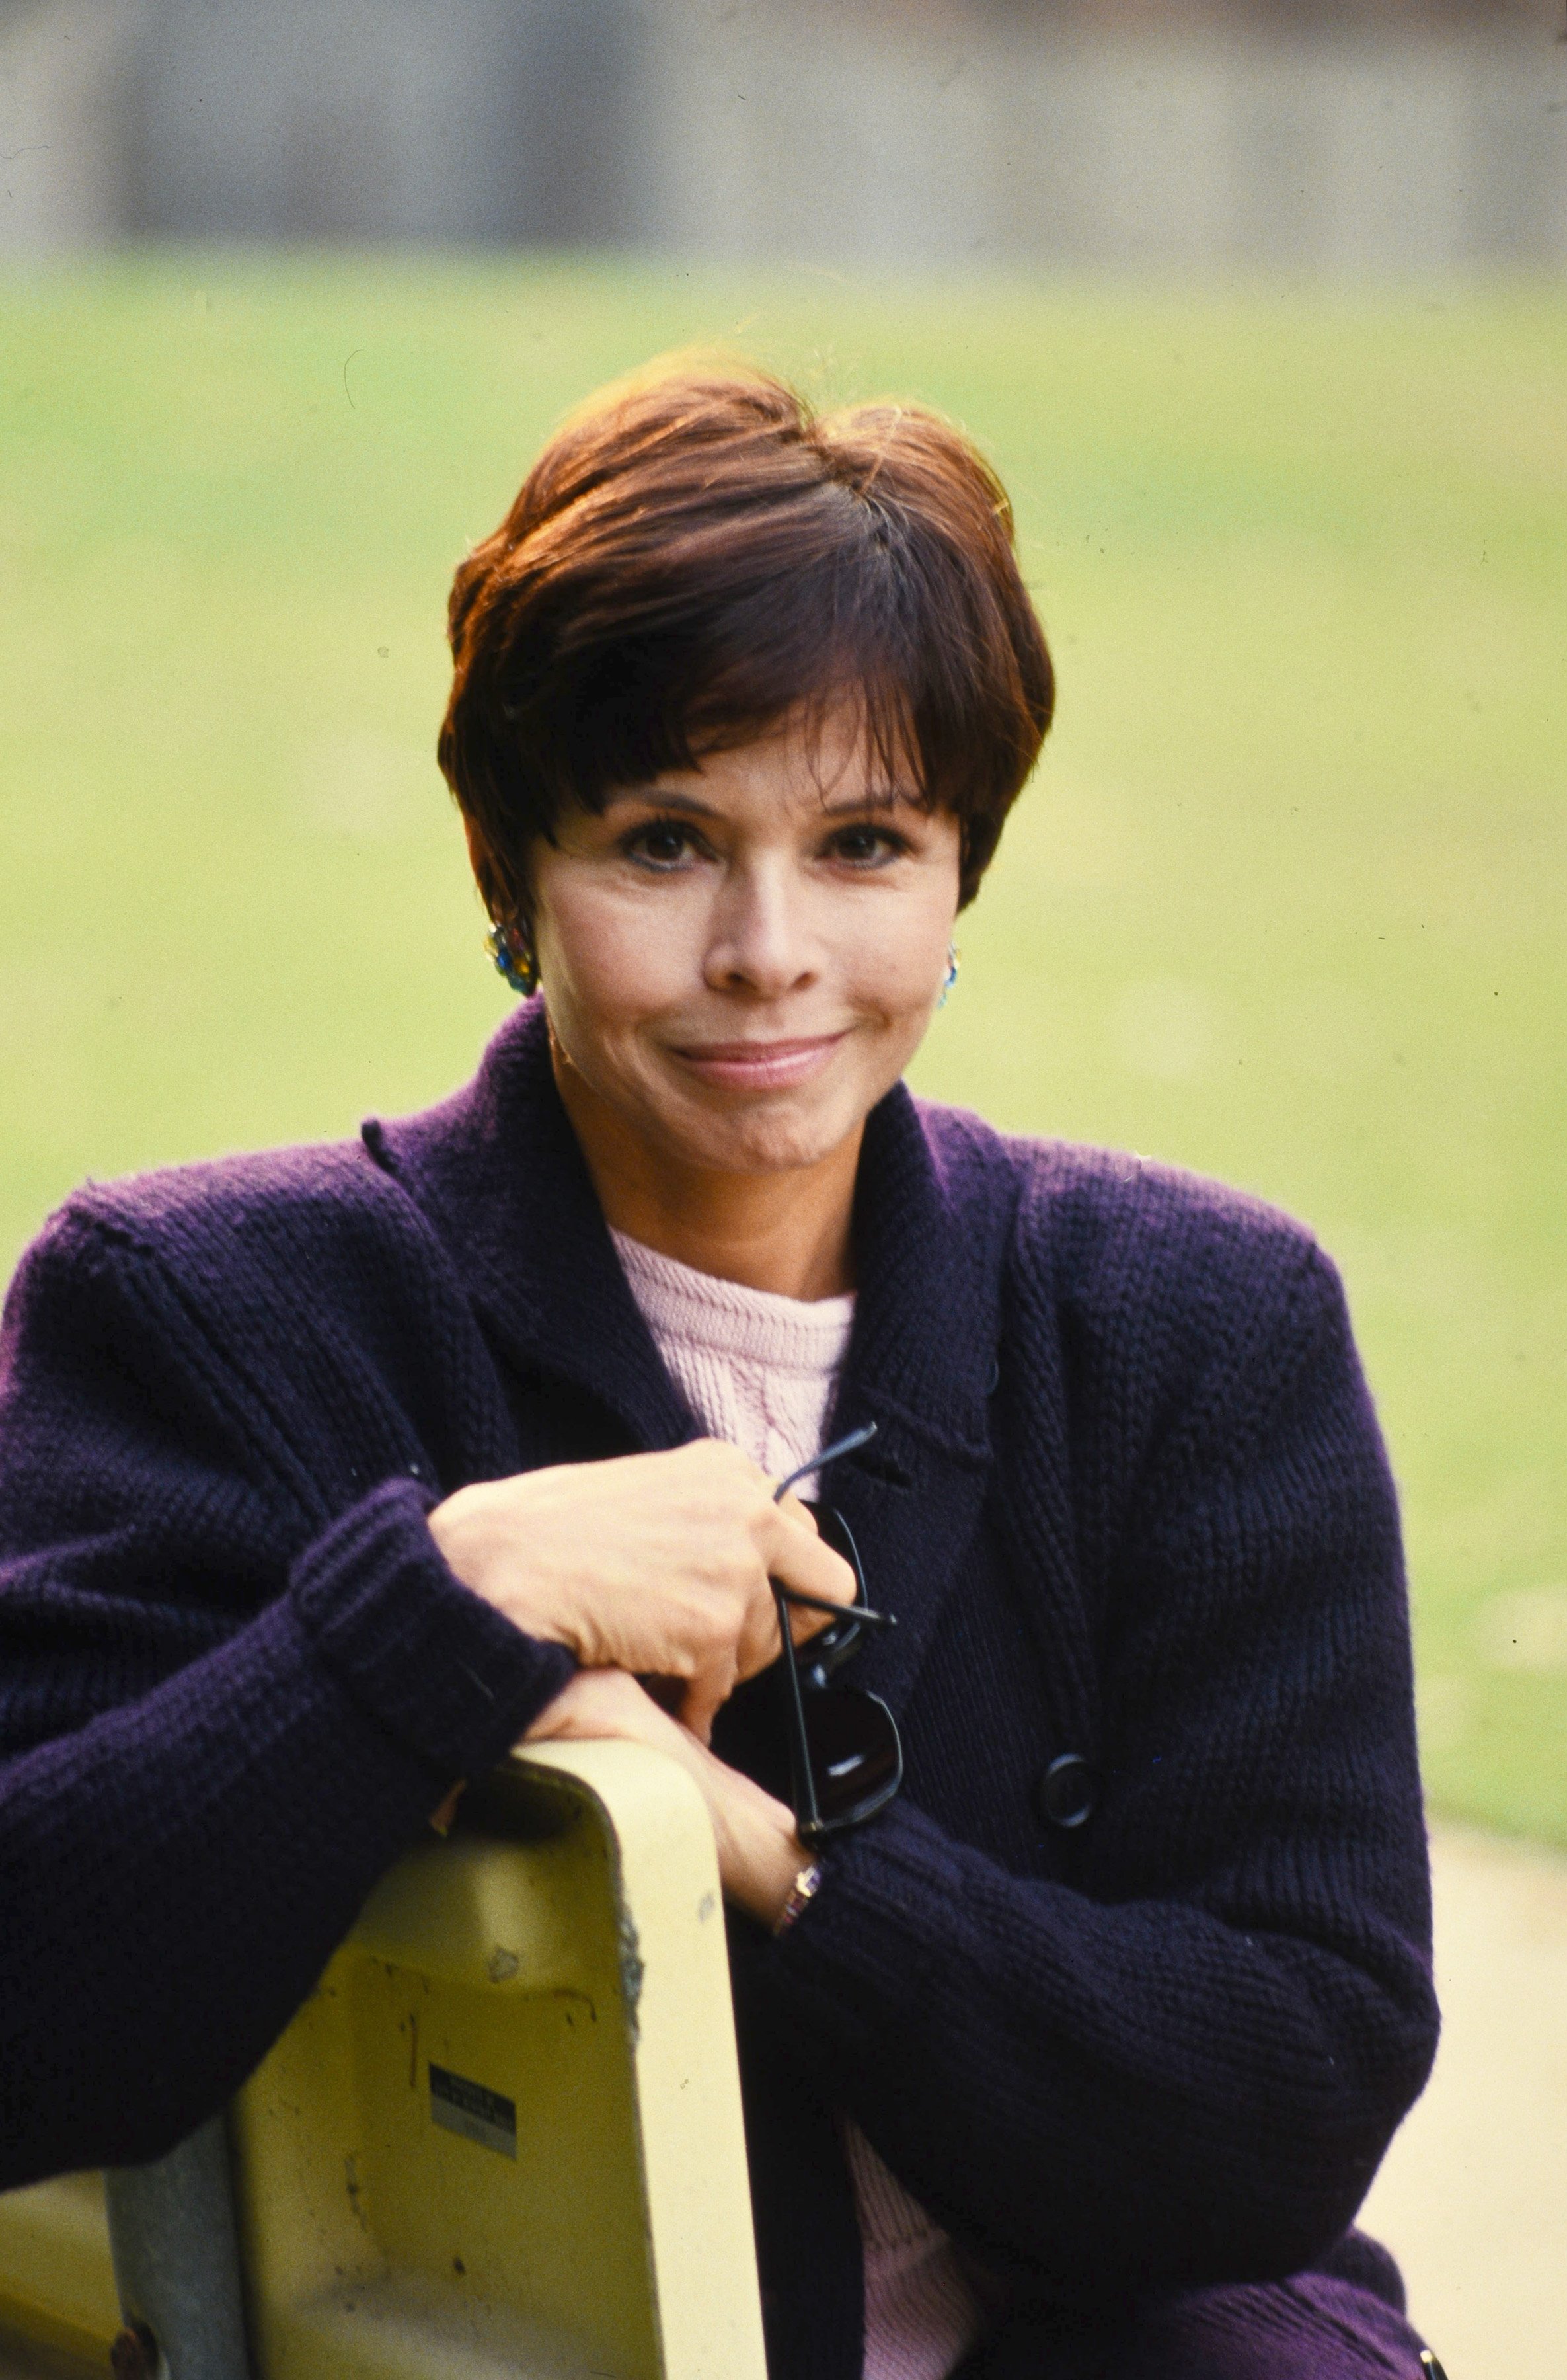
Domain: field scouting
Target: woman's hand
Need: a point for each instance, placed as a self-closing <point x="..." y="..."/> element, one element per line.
<point x="656" y="1564"/>
<point x="759" y="1853"/>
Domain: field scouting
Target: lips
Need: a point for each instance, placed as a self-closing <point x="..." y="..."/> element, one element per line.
<point x="759" y="1065"/>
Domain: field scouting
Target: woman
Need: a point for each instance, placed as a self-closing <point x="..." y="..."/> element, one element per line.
<point x="329" y="1474"/>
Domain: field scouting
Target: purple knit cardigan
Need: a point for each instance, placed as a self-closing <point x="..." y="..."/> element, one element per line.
<point x="1126" y="1497"/>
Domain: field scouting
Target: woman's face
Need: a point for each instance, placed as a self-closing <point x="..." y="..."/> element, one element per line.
<point x="739" y="959"/>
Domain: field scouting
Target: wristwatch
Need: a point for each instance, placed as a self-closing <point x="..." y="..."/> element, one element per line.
<point x="805" y="1888"/>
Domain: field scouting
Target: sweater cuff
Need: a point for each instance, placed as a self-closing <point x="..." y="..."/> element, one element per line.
<point x="438" y="1666"/>
<point x="864" y="1951"/>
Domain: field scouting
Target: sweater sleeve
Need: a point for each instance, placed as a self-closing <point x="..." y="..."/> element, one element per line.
<point x="221" y="1714"/>
<point x="1193" y="2079"/>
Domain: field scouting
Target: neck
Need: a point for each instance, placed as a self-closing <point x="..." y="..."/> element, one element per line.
<point x="787" y="1231"/>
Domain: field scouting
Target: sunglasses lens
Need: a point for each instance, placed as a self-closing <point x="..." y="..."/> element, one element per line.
<point x="856" y="1759"/>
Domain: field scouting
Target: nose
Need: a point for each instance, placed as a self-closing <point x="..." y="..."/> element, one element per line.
<point x="760" y="942"/>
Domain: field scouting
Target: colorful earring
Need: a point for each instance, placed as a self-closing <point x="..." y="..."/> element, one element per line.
<point x="953" y="956"/>
<point x="510" y="946"/>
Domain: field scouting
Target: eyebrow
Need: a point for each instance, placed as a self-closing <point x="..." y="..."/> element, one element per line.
<point x="884" y="797"/>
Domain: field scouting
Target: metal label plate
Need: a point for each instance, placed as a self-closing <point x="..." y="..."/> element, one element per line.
<point x="481" y="2114"/>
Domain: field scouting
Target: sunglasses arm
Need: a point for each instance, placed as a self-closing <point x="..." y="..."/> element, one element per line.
<point x="807" y="1815"/>
<point x="860" y="1612"/>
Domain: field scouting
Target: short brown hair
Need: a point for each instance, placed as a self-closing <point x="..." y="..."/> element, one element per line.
<point x="695" y="556"/>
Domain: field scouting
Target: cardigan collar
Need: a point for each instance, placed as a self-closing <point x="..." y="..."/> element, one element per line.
<point x="498" y="1172"/>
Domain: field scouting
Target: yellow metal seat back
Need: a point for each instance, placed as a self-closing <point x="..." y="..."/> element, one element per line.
<point x="503" y="2135"/>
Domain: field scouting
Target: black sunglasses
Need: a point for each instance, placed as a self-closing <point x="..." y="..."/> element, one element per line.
<point x="845" y="1757"/>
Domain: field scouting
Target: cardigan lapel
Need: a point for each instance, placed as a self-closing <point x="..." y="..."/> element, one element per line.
<point x="498" y="1171"/>
<point x="934" y="1210"/>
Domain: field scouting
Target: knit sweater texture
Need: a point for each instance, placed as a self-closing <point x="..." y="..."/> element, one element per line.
<point x="761" y="1370"/>
<point x="1126" y="1497"/>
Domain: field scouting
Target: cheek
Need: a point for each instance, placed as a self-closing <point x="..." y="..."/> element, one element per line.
<point x="894" y="975"/>
<point x="899" y="956"/>
<point x="607" y="967"/>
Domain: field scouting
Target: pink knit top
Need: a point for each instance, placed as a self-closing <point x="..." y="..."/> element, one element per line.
<point x="760" y="1370"/>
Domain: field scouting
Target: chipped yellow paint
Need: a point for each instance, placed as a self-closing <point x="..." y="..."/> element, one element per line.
<point x="570" y="2200"/>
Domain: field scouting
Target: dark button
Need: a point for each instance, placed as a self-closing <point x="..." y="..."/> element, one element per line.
<point x="994" y="1382"/>
<point x="1068" y="1791"/>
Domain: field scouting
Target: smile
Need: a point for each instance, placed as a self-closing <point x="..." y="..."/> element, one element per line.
<point x="759" y="1065"/>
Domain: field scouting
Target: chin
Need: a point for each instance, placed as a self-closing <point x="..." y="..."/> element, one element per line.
<point x="776" y="1140"/>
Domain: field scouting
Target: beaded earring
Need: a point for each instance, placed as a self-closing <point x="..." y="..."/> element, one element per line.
<point x="510" y="946"/>
<point x="953" y="956"/>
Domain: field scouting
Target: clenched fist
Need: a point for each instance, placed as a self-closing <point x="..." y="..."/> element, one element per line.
<point x="653" y="1564"/>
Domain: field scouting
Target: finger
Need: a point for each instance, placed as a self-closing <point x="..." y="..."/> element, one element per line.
<point x="804" y="1561"/>
<point x="803" y="1621"/>
<point x="760" y="1639"/>
<point x="798" y="1511"/>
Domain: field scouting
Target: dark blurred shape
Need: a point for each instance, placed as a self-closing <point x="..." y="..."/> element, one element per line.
<point x="1343" y="136"/>
<point x="472" y="120"/>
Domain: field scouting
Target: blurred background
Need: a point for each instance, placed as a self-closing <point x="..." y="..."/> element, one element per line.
<point x="1261" y="310"/>
<point x="1404" y="135"/>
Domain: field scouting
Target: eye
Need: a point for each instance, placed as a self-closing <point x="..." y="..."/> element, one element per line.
<point x="660" y="843"/>
<point x="865" y="846"/>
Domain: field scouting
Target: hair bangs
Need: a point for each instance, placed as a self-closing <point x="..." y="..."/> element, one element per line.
<point x="697" y="562"/>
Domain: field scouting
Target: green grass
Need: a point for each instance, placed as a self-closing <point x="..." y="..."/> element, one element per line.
<point x="1286" y="903"/>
